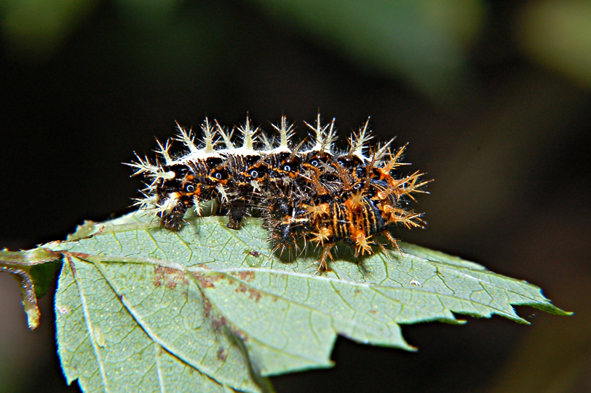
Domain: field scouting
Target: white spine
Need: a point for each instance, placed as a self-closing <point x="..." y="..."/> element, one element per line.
<point x="187" y="138"/>
<point x="163" y="151"/>
<point x="359" y="140"/>
<point x="324" y="136"/>
<point x="248" y="138"/>
<point x="286" y="132"/>
<point x="225" y="136"/>
<point x="209" y="140"/>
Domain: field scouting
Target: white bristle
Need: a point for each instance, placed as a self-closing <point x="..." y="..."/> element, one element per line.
<point x="324" y="136"/>
<point x="187" y="138"/>
<point x="359" y="140"/>
<point x="225" y="136"/>
<point x="286" y="132"/>
<point x="163" y="151"/>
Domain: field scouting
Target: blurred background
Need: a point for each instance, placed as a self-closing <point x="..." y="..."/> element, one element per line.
<point x="493" y="96"/>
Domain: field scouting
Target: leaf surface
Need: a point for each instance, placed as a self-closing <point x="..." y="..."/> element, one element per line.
<point x="210" y="309"/>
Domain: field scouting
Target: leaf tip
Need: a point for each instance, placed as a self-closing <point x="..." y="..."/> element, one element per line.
<point x="33" y="316"/>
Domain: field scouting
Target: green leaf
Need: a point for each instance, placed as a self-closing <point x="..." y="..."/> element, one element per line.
<point x="212" y="309"/>
<point x="43" y="275"/>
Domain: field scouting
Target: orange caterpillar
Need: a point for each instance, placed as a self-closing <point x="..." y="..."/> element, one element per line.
<point x="349" y="198"/>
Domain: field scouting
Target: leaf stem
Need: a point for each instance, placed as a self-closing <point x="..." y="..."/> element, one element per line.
<point x="19" y="263"/>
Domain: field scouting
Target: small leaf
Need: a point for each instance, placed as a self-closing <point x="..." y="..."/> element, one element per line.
<point x="43" y="275"/>
<point x="210" y="308"/>
<point x="34" y="269"/>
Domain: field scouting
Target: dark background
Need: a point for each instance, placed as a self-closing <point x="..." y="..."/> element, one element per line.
<point x="493" y="96"/>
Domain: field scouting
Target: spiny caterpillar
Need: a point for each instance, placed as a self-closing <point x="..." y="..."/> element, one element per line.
<point x="306" y="193"/>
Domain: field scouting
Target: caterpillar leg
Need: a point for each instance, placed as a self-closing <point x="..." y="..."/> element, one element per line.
<point x="237" y="213"/>
<point x="174" y="220"/>
<point x="392" y="241"/>
<point x="323" y="262"/>
<point x="362" y="245"/>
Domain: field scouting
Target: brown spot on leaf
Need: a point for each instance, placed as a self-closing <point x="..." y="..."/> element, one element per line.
<point x="240" y="334"/>
<point x="246" y="276"/>
<point x="219" y="323"/>
<point x="208" y="280"/>
<point x="217" y="277"/>
<point x="207" y="307"/>
<point x="169" y="276"/>
<point x="204" y="282"/>
<point x="253" y="294"/>
<point x="373" y="312"/>
<point x="222" y="354"/>
<point x="80" y="255"/>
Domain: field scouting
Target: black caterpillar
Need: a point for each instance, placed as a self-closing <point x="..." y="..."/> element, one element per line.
<point x="306" y="193"/>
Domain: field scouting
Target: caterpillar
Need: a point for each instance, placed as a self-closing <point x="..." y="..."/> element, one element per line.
<point x="306" y="193"/>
